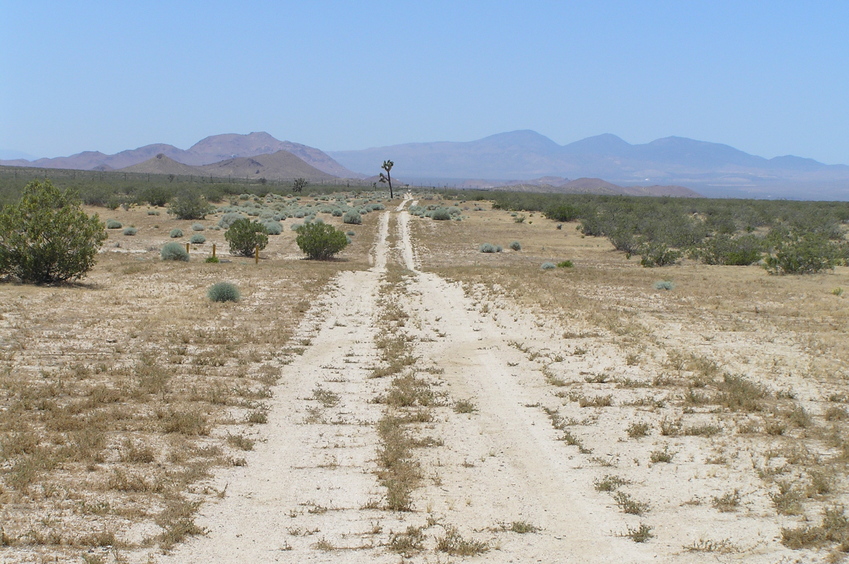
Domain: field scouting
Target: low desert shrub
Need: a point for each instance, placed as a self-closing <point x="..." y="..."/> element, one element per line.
<point x="440" y="214"/>
<point x="174" y="251"/>
<point x="47" y="237"/>
<point x="320" y="241"/>
<point x="562" y="212"/>
<point x="198" y="227"/>
<point x="805" y="253"/>
<point x="245" y="236"/>
<point x="663" y="285"/>
<point x="728" y="250"/>
<point x="228" y="219"/>
<point x="157" y="196"/>
<point x="189" y="204"/>
<point x="515" y="245"/>
<point x="490" y="248"/>
<point x="197" y="239"/>
<point x="212" y="260"/>
<point x="352" y="217"/>
<point x="176" y="233"/>
<point x="548" y="266"/>
<point x="113" y="224"/>
<point x="223" y="292"/>
<point x="273" y="227"/>
<point x="565" y="264"/>
<point x="658" y="254"/>
<point x="130" y="231"/>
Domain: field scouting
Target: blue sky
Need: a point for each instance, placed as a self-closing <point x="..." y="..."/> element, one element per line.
<point x="769" y="78"/>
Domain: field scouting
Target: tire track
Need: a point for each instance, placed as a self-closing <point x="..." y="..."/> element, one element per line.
<point x="302" y="494"/>
<point x="503" y="463"/>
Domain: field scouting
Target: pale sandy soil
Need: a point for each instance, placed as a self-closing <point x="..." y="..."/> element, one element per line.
<point x="305" y="494"/>
<point x="504" y="473"/>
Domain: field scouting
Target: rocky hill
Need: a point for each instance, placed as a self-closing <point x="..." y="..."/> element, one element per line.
<point x="210" y="150"/>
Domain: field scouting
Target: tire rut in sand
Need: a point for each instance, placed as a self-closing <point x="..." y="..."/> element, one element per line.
<point x="502" y="466"/>
<point x="302" y="494"/>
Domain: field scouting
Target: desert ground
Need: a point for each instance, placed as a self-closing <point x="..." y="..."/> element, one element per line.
<point x="417" y="400"/>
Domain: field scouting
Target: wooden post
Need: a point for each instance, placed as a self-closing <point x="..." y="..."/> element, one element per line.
<point x="213" y="250"/>
<point x="187" y="247"/>
<point x="256" y="254"/>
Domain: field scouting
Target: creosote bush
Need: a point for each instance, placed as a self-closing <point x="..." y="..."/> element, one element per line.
<point x="189" y="204"/>
<point x="223" y="292"/>
<point x="47" y="237"/>
<point x="805" y="253"/>
<point x="320" y="241"/>
<point x="245" y="236"/>
<point x="174" y="251"/>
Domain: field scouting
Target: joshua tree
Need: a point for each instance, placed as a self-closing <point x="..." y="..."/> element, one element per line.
<point x="387" y="166"/>
<point x="299" y="184"/>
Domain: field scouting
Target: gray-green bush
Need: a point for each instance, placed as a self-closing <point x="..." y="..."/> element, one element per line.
<point x="228" y="218"/>
<point x="176" y="233"/>
<point x="174" y="251"/>
<point x="197" y="239"/>
<point x="273" y="227"/>
<point x="440" y="214"/>
<point x="352" y="217"/>
<point x="223" y="292"/>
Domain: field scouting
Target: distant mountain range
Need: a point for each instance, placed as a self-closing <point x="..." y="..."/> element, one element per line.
<point x="208" y="151"/>
<point x="711" y="169"/>
<point x="519" y="159"/>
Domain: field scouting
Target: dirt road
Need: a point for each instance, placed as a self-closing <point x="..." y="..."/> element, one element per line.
<point x="497" y="475"/>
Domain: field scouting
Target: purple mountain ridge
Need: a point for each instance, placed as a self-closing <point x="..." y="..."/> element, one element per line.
<point x="711" y="169"/>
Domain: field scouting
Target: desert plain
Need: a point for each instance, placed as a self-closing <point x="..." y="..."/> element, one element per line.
<point x="417" y="400"/>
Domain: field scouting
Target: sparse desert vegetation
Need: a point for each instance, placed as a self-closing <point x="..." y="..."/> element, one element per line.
<point x="391" y="395"/>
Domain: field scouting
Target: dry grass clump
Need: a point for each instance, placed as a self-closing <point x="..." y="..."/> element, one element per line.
<point x="832" y="530"/>
<point x="453" y="543"/>
<point x="408" y="542"/>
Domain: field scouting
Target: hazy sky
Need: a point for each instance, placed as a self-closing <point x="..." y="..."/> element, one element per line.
<point x="767" y="77"/>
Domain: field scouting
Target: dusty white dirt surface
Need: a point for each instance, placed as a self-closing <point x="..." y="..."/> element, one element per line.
<point x="309" y="492"/>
